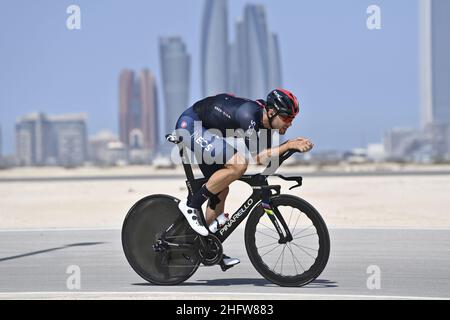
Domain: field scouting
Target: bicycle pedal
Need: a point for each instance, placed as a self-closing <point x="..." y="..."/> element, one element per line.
<point x="225" y="268"/>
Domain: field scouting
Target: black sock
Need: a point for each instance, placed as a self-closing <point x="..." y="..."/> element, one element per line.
<point x="200" y="197"/>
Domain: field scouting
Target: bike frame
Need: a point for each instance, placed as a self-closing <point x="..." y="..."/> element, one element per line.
<point x="262" y="193"/>
<point x="258" y="184"/>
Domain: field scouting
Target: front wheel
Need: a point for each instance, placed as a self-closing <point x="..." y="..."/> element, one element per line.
<point x="296" y="262"/>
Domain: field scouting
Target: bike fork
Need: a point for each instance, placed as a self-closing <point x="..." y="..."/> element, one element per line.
<point x="275" y="216"/>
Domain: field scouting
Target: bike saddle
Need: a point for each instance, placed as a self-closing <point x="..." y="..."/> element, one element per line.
<point x="173" y="138"/>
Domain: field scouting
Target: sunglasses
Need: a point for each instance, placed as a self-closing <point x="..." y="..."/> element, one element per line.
<point x="286" y="118"/>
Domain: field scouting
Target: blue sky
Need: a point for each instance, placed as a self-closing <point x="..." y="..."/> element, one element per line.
<point x="353" y="83"/>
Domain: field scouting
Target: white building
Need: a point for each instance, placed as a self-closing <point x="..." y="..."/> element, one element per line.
<point x="105" y="149"/>
<point x="400" y="143"/>
<point x="376" y="152"/>
<point x="51" y="140"/>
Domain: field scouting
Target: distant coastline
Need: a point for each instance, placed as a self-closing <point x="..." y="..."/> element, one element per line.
<point x="31" y="174"/>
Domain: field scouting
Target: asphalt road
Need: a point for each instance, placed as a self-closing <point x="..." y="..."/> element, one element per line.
<point x="411" y="263"/>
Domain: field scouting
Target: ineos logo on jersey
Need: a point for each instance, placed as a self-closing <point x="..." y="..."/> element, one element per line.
<point x="202" y="142"/>
<point x="222" y="112"/>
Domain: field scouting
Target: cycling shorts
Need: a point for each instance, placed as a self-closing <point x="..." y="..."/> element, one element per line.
<point x="211" y="150"/>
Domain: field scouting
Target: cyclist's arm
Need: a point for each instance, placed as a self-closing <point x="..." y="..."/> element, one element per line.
<point x="300" y="144"/>
<point x="266" y="155"/>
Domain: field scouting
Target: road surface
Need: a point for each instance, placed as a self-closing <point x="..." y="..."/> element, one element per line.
<point x="412" y="263"/>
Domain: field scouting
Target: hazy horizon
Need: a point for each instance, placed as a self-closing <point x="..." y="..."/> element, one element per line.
<point x="352" y="83"/>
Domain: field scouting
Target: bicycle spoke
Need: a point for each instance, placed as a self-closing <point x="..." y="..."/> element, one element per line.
<point x="268" y="228"/>
<point x="282" y="259"/>
<point x="304" y="250"/>
<point x="278" y="259"/>
<point x="289" y="223"/>
<point x="294" y="257"/>
<point x="303" y="230"/>
<point x="270" y="251"/>
<point x="266" y="235"/>
<point x="268" y="245"/>
<point x="316" y="250"/>
<point x="305" y="236"/>
<point x="295" y="224"/>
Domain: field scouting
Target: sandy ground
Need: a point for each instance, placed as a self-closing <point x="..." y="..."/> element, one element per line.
<point x="133" y="171"/>
<point x="384" y="201"/>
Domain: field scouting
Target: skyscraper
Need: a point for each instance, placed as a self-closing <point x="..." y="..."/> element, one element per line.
<point x="435" y="75"/>
<point x="1" y="140"/>
<point x="239" y="77"/>
<point x="435" y="61"/>
<point x="175" y="68"/>
<point x="255" y="56"/>
<point x="149" y="101"/>
<point x="51" y="140"/>
<point x="275" y="74"/>
<point x="126" y="97"/>
<point x="68" y="144"/>
<point x="214" y="48"/>
<point x="138" y="119"/>
<point x="32" y="131"/>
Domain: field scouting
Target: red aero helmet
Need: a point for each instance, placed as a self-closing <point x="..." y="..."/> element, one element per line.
<point x="284" y="102"/>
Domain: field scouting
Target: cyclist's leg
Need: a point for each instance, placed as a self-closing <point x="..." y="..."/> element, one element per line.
<point x="233" y="170"/>
<point x="191" y="133"/>
<point x="220" y="207"/>
<point x="221" y="179"/>
<point x="219" y="162"/>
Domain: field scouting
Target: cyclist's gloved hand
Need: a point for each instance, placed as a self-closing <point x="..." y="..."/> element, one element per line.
<point x="301" y="144"/>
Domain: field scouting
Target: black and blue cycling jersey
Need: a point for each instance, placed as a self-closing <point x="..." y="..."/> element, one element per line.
<point x="225" y="111"/>
<point x="222" y="114"/>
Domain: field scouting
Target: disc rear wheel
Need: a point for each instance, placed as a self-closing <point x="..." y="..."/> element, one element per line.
<point x="143" y="227"/>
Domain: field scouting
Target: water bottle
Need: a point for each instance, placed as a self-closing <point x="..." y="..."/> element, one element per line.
<point x="219" y="222"/>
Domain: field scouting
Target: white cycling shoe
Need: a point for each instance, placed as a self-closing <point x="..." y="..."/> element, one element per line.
<point x="228" y="262"/>
<point x="193" y="216"/>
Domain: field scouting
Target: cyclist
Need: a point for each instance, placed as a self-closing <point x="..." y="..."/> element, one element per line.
<point x="222" y="112"/>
